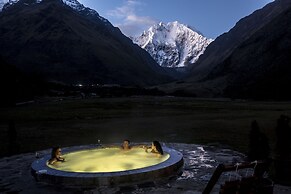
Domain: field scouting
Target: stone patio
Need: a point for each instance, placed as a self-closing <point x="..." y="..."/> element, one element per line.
<point x="200" y="162"/>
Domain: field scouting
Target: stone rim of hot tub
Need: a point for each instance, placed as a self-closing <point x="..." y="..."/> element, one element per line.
<point x="169" y="168"/>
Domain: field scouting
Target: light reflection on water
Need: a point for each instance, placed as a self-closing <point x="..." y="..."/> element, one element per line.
<point x="108" y="160"/>
<point x="201" y="161"/>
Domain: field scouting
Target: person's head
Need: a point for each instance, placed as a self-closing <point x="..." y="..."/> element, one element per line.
<point x="157" y="146"/>
<point x="125" y="144"/>
<point x="56" y="151"/>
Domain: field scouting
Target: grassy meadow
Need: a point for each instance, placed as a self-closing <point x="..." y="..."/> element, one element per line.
<point x="140" y="119"/>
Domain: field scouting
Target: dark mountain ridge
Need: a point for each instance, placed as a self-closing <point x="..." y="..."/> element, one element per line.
<point x="251" y="61"/>
<point x="224" y="45"/>
<point x="260" y="68"/>
<point x="58" y="43"/>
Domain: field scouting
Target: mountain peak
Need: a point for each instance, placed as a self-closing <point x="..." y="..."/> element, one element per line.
<point x="161" y="24"/>
<point x="4" y="3"/>
<point x="173" y="44"/>
<point x="74" y="4"/>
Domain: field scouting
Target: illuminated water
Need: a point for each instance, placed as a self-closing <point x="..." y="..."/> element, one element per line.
<point x="108" y="160"/>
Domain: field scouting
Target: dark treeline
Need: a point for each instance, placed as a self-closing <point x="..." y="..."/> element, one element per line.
<point x="18" y="87"/>
<point x="280" y="160"/>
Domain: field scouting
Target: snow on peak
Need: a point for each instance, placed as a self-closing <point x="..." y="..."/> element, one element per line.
<point x="74" y="4"/>
<point x="173" y="44"/>
<point x="7" y="3"/>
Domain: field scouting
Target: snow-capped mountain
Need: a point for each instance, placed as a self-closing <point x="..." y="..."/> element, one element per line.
<point x="1" y="5"/>
<point x="173" y="44"/>
<point x="74" y="4"/>
<point x="7" y="3"/>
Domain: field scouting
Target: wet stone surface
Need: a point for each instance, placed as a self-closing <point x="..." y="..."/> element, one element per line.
<point x="199" y="165"/>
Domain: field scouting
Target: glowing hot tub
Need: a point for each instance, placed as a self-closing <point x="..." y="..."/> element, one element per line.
<point x="108" y="160"/>
<point x="88" y="166"/>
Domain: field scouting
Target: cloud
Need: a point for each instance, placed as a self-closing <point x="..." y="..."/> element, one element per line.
<point x="130" y="23"/>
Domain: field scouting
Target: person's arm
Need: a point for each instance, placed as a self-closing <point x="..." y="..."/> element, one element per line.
<point x="137" y="146"/>
<point x="60" y="158"/>
<point x="146" y="148"/>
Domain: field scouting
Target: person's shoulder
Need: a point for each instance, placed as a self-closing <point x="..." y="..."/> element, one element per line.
<point x="52" y="161"/>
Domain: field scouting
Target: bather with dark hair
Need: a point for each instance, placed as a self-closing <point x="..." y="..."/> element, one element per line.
<point x="56" y="156"/>
<point x="126" y="145"/>
<point x="155" y="148"/>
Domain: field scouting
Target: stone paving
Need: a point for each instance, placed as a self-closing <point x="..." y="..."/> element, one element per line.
<point x="200" y="163"/>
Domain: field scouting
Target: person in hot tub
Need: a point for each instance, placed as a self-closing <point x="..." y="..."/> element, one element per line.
<point x="126" y="145"/>
<point x="155" y="148"/>
<point x="56" y="156"/>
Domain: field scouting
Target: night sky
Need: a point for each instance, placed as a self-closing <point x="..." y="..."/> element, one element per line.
<point x="211" y="17"/>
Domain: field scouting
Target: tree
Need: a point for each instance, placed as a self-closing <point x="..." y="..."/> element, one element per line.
<point x="259" y="148"/>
